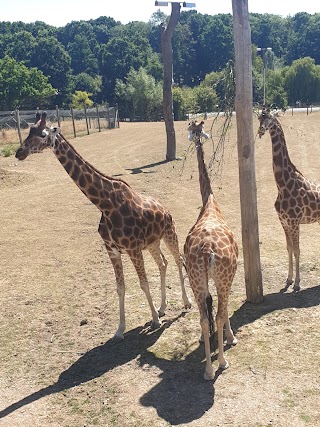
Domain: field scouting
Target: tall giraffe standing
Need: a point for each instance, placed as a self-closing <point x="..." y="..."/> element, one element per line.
<point x="130" y="222"/>
<point x="298" y="200"/>
<point x="210" y="252"/>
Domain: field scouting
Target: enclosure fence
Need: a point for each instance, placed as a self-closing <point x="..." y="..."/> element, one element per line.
<point x="14" y="124"/>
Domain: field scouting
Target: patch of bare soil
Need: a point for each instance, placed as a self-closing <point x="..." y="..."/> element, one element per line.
<point x="59" y="307"/>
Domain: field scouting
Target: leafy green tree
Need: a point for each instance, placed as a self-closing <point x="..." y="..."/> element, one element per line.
<point x="51" y="58"/>
<point x="140" y="97"/>
<point x="206" y="98"/>
<point x="179" y="108"/>
<point x="275" y="91"/>
<point x="303" y="37"/>
<point x="81" y="99"/>
<point x="20" y="46"/>
<point x="85" y="83"/>
<point x="302" y="81"/>
<point x="119" y="56"/>
<point x="22" y="86"/>
<point x="83" y="60"/>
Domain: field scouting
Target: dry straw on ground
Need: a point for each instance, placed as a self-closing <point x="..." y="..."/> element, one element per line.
<point x="59" y="307"/>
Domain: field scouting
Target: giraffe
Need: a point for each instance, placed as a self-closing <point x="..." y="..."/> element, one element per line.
<point x="298" y="200"/>
<point x="130" y="222"/>
<point x="211" y="252"/>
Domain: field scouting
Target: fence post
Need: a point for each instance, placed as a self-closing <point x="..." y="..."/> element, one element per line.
<point x="18" y="124"/>
<point x="85" y="113"/>
<point x="116" y="117"/>
<point x="108" y="116"/>
<point x="73" y="124"/>
<point x="58" y="115"/>
<point x="98" y="118"/>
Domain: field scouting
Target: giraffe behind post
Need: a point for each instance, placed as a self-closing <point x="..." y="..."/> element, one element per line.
<point x="211" y="252"/>
<point x="130" y="222"/>
<point x="298" y="200"/>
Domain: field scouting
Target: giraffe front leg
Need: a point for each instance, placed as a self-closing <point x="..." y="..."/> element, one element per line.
<point x="137" y="260"/>
<point x="296" y="252"/>
<point x="289" y="280"/>
<point x="118" y="270"/>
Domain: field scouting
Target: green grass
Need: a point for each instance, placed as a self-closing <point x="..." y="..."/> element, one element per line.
<point x="8" y="150"/>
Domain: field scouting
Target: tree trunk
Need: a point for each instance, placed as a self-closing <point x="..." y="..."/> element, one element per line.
<point x="167" y="57"/>
<point x="247" y="178"/>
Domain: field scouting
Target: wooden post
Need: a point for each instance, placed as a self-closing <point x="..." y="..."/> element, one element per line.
<point x="98" y="118"/>
<point x="86" y="116"/>
<point x="245" y="136"/>
<point x="18" y="124"/>
<point x="117" y="120"/>
<point x="108" y="116"/>
<point x="167" y="58"/>
<point x="73" y="124"/>
<point x="58" y="115"/>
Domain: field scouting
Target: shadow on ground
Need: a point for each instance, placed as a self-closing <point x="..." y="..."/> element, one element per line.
<point x="182" y="395"/>
<point x="249" y="312"/>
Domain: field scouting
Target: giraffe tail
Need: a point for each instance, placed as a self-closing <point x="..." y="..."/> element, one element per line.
<point x="210" y="314"/>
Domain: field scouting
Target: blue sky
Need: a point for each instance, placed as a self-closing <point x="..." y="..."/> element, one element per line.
<point x="60" y="12"/>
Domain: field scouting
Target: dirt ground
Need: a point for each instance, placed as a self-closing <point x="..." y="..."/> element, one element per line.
<point x="59" y="307"/>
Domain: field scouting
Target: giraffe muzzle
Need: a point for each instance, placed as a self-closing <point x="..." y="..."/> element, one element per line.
<point x="21" y="154"/>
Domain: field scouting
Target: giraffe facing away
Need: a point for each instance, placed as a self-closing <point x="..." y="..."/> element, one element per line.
<point x="298" y="200"/>
<point x="130" y="222"/>
<point x="211" y="252"/>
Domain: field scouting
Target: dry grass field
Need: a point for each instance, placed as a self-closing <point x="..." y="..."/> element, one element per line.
<point x="59" y="307"/>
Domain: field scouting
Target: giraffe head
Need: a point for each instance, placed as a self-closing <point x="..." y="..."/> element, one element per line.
<point x="195" y="130"/>
<point x="266" y="120"/>
<point x="40" y="137"/>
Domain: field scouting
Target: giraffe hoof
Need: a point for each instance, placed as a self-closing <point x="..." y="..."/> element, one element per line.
<point x="118" y="337"/>
<point x="224" y="366"/>
<point x="208" y="376"/>
<point x="156" y="324"/>
<point x="161" y="313"/>
<point x="232" y="341"/>
<point x="188" y="305"/>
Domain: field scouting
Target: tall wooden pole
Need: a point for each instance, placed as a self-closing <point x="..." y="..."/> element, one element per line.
<point x="247" y="177"/>
<point x="167" y="58"/>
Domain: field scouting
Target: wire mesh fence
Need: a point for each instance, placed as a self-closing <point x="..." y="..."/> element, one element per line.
<point x="73" y="122"/>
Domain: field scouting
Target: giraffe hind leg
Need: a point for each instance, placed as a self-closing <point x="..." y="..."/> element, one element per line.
<point x="162" y="263"/>
<point x="171" y="241"/>
<point x="137" y="260"/>
<point x="118" y="270"/>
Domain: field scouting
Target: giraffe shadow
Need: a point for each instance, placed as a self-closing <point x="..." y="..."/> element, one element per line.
<point x="171" y="397"/>
<point x="104" y="358"/>
<point x="182" y="395"/>
<point x="140" y="169"/>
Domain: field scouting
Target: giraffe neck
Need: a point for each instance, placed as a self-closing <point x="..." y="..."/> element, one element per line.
<point x="205" y="185"/>
<point x="98" y="187"/>
<point x="280" y="155"/>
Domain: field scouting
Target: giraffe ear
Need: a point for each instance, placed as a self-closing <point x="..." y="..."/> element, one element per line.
<point x="43" y="116"/>
<point x="37" y="118"/>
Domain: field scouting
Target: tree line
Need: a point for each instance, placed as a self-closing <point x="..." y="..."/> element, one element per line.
<point x="101" y="60"/>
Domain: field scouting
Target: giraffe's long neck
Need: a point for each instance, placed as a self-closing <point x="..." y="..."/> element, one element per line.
<point x="205" y="185"/>
<point x="282" y="165"/>
<point x="98" y="187"/>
